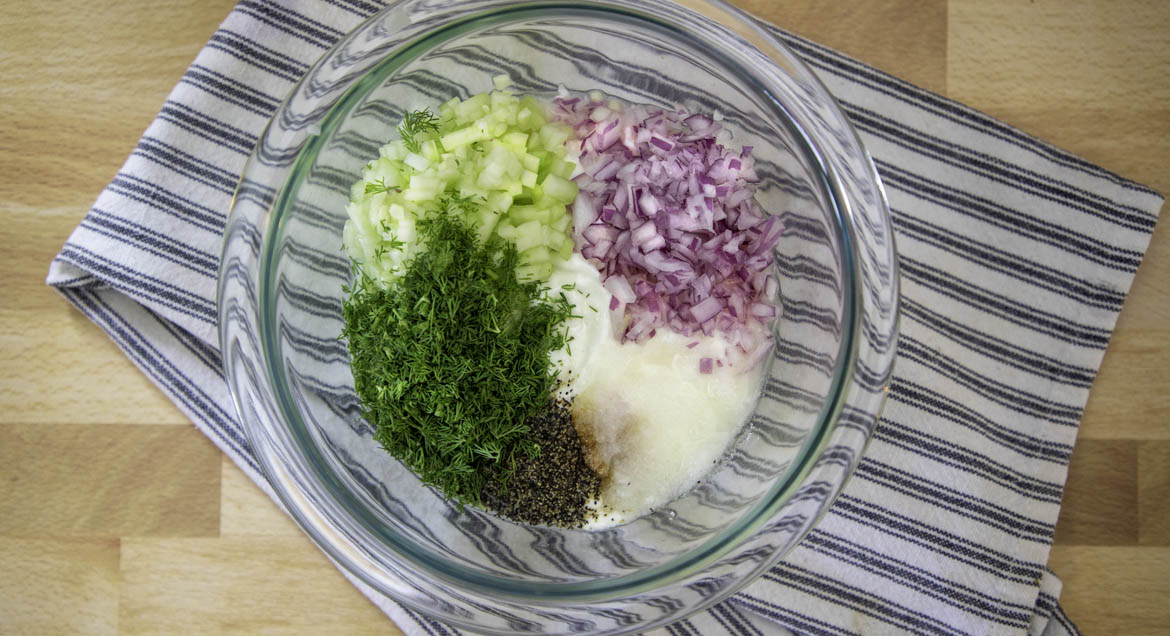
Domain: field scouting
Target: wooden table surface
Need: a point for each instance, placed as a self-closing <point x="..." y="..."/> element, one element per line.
<point x="117" y="516"/>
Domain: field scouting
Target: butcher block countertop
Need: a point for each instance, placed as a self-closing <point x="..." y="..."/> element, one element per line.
<point x="118" y="516"/>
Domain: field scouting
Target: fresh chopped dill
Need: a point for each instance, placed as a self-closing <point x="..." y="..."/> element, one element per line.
<point x="415" y="122"/>
<point x="380" y="186"/>
<point x="454" y="204"/>
<point x="392" y="243"/>
<point x="452" y="360"/>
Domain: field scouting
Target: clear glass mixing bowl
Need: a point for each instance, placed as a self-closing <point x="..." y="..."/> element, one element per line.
<point x="280" y="294"/>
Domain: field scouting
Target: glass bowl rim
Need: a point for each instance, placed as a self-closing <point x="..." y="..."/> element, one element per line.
<point x="671" y="571"/>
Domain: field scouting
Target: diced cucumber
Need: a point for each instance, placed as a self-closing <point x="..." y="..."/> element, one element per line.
<point x="554" y="135"/>
<point x="563" y="223"/>
<point x="492" y="177"/>
<point x="565" y="249"/>
<point x="559" y="188"/>
<point x="561" y="168"/>
<point x="531" y="161"/>
<point x="423" y="188"/>
<point x="487" y="221"/>
<point x="395" y="150"/>
<point x="506" y="230"/>
<point x="499" y="201"/>
<point x="502" y="102"/>
<point x="517" y="140"/>
<point x="462" y="137"/>
<point x="525" y="213"/>
<point x="536" y="255"/>
<point x="533" y="271"/>
<point x="536" y="111"/>
<point x="499" y="155"/>
<point x="418" y="162"/>
<point x="472" y="108"/>
<point x="530" y="234"/>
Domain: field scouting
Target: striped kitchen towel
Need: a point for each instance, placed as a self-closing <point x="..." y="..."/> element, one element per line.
<point x="1016" y="258"/>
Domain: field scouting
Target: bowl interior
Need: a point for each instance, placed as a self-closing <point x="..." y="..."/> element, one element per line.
<point x="635" y="57"/>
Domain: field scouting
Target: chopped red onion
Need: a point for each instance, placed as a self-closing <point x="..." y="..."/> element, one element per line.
<point x="706" y="309"/>
<point x="668" y="216"/>
<point x="620" y="288"/>
<point x="607" y="170"/>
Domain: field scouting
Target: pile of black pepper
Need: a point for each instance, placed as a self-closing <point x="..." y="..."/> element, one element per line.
<point x="555" y="487"/>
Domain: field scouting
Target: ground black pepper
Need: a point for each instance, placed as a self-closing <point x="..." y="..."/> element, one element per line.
<point x="556" y="486"/>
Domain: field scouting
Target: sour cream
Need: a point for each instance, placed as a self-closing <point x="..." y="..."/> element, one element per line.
<point x="652" y="423"/>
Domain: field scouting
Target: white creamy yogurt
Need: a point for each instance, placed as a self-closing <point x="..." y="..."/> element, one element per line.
<point x="581" y="284"/>
<point x="653" y="425"/>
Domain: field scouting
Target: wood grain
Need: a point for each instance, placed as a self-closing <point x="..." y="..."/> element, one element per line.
<point x="1153" y="492"/>
<point x="116" y="516"/>
<point x="116" y="481"/>
<point x="1087" y="518"/>
<point x="239" y="584"/>
<point x="1116" y="590"/>
<point x="245" y="510"/>
<point x="910" y="42"/>
<point x="59" y="586"/>
<point x="34" y="322"/>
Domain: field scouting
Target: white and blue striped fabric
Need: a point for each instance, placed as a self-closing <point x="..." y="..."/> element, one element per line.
<point x="1016" y="258"/>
